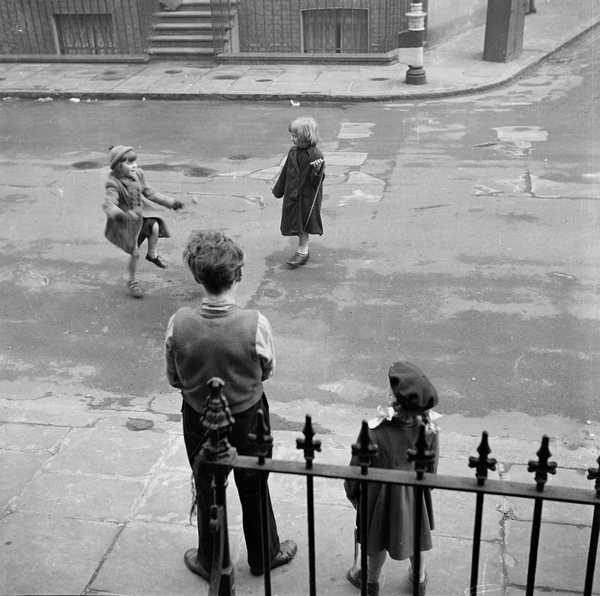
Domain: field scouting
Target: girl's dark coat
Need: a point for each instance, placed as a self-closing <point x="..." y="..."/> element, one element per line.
<point x="390" y="517"/>
<point x="131" y="196"/>
<point x="297" y="184"/>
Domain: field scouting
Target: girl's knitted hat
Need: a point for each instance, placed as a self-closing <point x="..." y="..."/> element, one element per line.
<point x="116" y="154"/>
<point x="411" y="388"/>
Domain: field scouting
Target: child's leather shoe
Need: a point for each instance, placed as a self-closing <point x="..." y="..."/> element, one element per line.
<point x="356" y="580"/>
<point x="157" y="260"/>
<point x="297" y="260"/>
<point x="134" y="289"/>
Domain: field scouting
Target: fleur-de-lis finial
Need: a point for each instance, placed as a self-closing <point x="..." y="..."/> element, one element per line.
<point x="217" y="422"/>
<point x="483" y="463"/>
<point x="542" y="467"/>
<point x="421" y="454"/>
<point x="261" y="438"/>
<point x="365" y="449"/>
<point x="309" y="444"/>
<point x="594" y="474"/>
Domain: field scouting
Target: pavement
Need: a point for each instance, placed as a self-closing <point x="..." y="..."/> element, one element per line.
<point x="95" y="493"/>
<point x="454" y="67"/>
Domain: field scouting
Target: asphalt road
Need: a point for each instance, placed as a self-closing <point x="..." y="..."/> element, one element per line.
<point x="460" y="234"/>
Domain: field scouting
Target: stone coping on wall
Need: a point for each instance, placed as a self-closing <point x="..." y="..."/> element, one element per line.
<point x="94" y="58"/>
<point x="304" y="58"/>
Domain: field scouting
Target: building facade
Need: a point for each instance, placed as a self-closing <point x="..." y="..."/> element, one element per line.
<point x="74" y="27"/>
<point x="201" y="29"/>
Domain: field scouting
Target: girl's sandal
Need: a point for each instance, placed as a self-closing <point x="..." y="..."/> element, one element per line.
<point x="134" y="289"/>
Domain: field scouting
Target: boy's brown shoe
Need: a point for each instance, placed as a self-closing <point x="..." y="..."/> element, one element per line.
<point x="190" y="559"/>
<point x="287" y="551"/>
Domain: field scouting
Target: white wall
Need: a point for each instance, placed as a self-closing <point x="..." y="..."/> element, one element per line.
<point x="446" y="18"/>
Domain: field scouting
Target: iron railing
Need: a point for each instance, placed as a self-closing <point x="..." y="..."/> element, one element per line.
<point x="222" y="13"/>
<point x="218" y="459"/>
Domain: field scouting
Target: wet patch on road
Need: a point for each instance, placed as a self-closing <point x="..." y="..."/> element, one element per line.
<point x="281" y="423"/>
<point x="89" y="165"/>
<point x="17" y="197"/>
<point x="138" y="424"/>
<point x="111" y="75"/>
<point x="518" y="218"/>
<point x="109" y="403"/>
<point x="186" y="169"/>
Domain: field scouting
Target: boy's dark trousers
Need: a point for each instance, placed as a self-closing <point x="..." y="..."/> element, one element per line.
<point x="247" y="483"/>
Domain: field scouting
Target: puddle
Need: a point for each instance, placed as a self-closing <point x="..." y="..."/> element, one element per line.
<point x="88" y="165"/>
<point x="239" y="157"/>
<point x="518" y="140"/>
<point x="227" y="77"/>
<point x="564" y="276"/>
<point x="139" y="424"/>
<point x="187" y="170"/>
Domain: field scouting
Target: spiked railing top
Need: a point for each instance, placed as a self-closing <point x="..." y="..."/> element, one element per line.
<point x="421" y="454"/>
<point x="483" y="463"/>
<point x="309" y="444"/>
<point x="261" y="438"/>
<point x="365" y="449"/>
<point x="217" y="422"/>
<point x="542" y="467"/>
<point x="594" y="474"/>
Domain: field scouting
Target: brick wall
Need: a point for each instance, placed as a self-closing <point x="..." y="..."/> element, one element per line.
<point x="27" y="26"/>
<point x="276" y="25"/>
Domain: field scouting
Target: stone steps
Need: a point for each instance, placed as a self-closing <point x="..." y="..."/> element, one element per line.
<point x="183" y="30"/>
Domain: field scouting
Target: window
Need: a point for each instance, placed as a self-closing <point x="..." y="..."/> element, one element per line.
<point x="335" y="30"/>
<point x="84" y="33"/>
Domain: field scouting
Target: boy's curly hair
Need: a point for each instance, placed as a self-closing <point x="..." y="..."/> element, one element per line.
<point x="214" y="259"/>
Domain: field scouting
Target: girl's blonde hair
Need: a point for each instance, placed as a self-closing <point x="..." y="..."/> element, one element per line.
<point x="306" y="130"/>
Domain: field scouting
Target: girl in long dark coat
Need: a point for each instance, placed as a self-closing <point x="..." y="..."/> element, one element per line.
<point x="130" y="218"/>
<point x="390" y="525"/>
<point x="300" y="183"/>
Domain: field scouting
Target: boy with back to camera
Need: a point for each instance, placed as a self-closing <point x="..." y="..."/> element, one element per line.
<point x="220" y="339"/>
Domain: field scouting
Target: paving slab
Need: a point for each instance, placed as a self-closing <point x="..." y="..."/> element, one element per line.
<point x="80" y="496"/>
<point x="18" y="469"/>
<point x="111" y="447"/>
<point x="561" y="557"/>
<point x="51" y="554"/>
<point x="147" y="558"/>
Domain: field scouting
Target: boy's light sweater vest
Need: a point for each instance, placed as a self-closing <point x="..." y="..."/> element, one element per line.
<point x="218" y="345"/>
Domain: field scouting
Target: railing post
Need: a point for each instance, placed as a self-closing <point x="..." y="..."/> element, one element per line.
<point x="263" y="442"/>
<point x="217" y="422"/>
<point x="365" y="450"/>
<point x="593" y="474"/>
<point x="309" y="445"/>
<point x="482" y="464"/>
<point x="542" y="467"/>
<point x="423" y="457"/>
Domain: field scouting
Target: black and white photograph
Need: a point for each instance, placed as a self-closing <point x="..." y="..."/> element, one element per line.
<point x="300" y="297"/>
